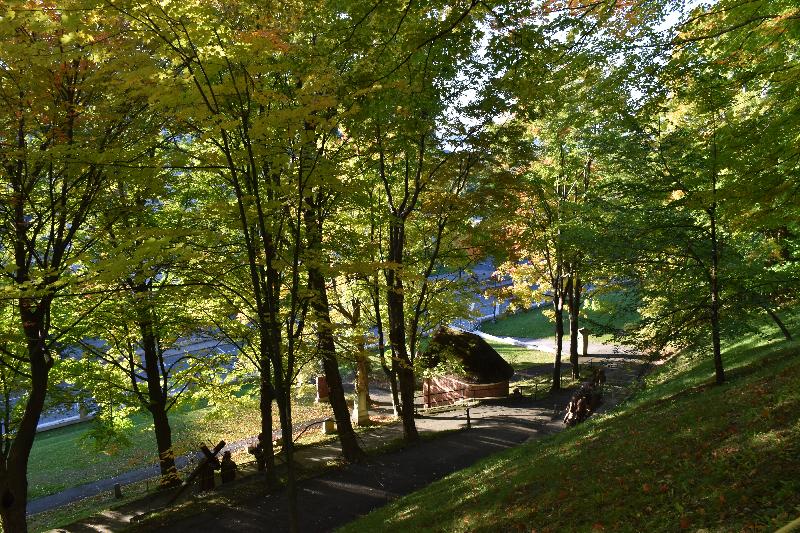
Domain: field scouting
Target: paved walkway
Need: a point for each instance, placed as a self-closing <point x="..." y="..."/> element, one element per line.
<point x="343" y="494"/>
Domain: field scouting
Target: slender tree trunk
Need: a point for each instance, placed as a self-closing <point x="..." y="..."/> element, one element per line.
<point x="13" y="503"/>
<point x="362" y="373"/>
<point x="390" y="370"/>
<point x="361" y="408"/>
<point x="394" y="389"/>
<point x="266" y="397"/>
<point x="558" y="305"/>
<point x="156" y="393"/>
<point x="166" y="456"/>
<point x="326" y="344"/>
<point x="778" y="322"/>
<point x="283" y="396"/>
<point x="14" y="483"/>
<point x="362" y="361"/>
<point x="347" y="437"/>
<point x="719" y="371"/>
<point x="574" y="305"/>
<point x="397" y="331"/>
<point x="404" y="368"/>
<point x="391" y="374"/>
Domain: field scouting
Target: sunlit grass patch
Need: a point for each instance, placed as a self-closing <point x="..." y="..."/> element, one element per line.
<point x="520" y="356"/>
<point x="603" y="316"/>
<point x="60" y="459"/>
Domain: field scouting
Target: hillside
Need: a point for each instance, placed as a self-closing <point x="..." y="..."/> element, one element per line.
<point x="680" y="454"/>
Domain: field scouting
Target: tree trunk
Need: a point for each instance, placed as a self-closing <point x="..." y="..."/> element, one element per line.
<point x="395" y="390"/>
<point x="407" y="387"/>
<point x="14" y="467"/>
<point x="326" y="344"/>
<point x="283" y="396"/>
<point x="156" y="392"/>
<point x="266" y="396"/>
<point x="775" y="318"/>
<point x="391" y="374"/>
<point x="347" y="437"/>
<point x="558" y="305"/>
<point x="719" y="371"/>
<point x="14" y="499"/>
<point x="166" y="456"/>
<point x="361" y="409"/>
<point x="362" y="361"/>
<point x="574" y="304"/>
<point x="397" y="331"/>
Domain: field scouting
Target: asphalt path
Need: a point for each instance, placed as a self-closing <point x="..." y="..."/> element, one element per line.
<point x="339" y="496"/>
<point x="335" y="498"/>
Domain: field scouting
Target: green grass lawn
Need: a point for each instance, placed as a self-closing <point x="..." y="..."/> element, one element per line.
<point x="520" y="357"/>
<point x="682" y="454"/>
<point x="526" y="324"/>
<point x="603" y="315"/>
<point x="61" y="458"/>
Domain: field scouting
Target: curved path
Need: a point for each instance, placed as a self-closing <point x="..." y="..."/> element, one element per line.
<point x="338" y="496"/>
<point x="332" y="499"/>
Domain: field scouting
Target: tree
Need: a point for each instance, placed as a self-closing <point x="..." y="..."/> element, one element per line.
<point x="674" y="181"/>
<point x="69" y="124"/>
<point x="130" y="344"/>
<point x="547" y="81"/>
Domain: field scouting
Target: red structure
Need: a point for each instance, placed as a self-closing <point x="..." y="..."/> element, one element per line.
<point x="322" y="389"/>
<point x="446" y="390"/>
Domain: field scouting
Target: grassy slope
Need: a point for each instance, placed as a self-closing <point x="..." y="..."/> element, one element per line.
<point x="532" y="324"/>
<point x="520" y="357"/>
<point x="681" y="455"/>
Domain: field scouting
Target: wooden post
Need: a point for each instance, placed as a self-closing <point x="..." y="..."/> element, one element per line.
<point x="328" y="427"/>
<point x="584" y="336"/>
<point x="360" y="416"/>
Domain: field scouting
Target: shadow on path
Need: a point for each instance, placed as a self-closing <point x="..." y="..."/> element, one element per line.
<point x="338" y="497"/>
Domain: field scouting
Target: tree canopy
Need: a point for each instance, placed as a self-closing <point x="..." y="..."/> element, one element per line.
<point x="294" y="177"/>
